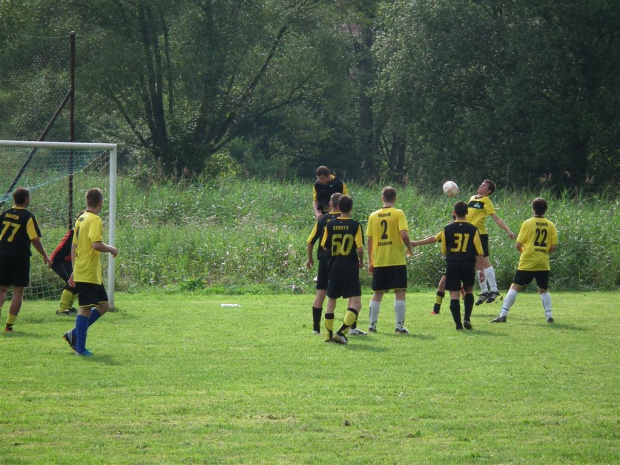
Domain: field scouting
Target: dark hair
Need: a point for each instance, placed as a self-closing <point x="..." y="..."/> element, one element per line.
<point x="94" y="197"/>
<point x="490" y="185"/>
<point x="346" y="204"/>
<point x="20" y="195"/>
<point x="460" y="209"/>
<point x="389" y="194"/>
<point x="539" y="205"/>
<point x="335" y="199"/>
<point x="322" y="171"/>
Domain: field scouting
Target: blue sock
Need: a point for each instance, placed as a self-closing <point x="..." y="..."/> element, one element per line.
<point x="94" y="316"/>
<point x="81" y="327"/>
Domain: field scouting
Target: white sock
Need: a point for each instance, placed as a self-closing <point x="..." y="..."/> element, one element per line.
<point x="489" y="273"/>
<point x="374" y="313"/>
<point x="399" y="311"/>
<point x="484" y="289"/>
<point x="508" y="301"/>
<point x="546" y="301"/>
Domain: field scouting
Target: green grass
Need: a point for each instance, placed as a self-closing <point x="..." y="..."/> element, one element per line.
<point x="179" y="379"/>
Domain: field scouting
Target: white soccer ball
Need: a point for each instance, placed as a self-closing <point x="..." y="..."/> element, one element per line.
<point x="450" y="188"/>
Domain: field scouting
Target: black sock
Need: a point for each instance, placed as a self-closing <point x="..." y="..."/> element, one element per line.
<point x="316" y="318"/>
<point x="469" y="306"/>
<point x="455" y="308"/>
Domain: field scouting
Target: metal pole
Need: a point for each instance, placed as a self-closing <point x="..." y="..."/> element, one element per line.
<point x="71" y="127"/>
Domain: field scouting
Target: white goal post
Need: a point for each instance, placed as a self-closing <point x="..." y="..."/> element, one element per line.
<point x="111" y="149"/>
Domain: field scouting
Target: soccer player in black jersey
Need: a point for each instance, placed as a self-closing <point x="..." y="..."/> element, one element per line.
<point x="18" y="229"/>
<point x="325" y="185"/>
<point x="460" y="243"/>
<point x="322" y="256"/>
<point x="344" y="239"/>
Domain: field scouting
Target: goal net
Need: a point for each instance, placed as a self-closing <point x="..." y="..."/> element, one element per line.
<point x="58" y="174"/>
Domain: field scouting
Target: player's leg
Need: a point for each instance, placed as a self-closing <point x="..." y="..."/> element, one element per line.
<point x="521" y="279"/>
<point x="355" y="304"/>
<point x="379" y="287"/>
<point x="322" y="278"/>
<point x="453" y="285"/>
<point x="329" y="318"/>
<point x="67" y="297"/>
<point x="468" y="277"/>
<point x="484" y="285"/>
<point x="15" y="307"/>
<point x="399" y="311"/>
<point x="542" y="281"/>
<point x="441" y="288"/>
<point x="3" y="292"/>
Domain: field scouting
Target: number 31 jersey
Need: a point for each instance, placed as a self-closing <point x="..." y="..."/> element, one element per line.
<point x="536" y="236"/>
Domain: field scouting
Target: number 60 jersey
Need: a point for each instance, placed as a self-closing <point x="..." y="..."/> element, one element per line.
<point x="536" y="236"/>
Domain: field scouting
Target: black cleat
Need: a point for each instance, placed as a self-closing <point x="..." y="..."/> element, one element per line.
<point x="550" y="320"/>
<point x="482" y="298"/>
<point x="492" y="296"/>
<point x="467" y="325"/>
<point x="499" y="319"/>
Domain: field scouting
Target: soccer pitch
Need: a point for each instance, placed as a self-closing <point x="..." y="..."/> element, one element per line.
<point x="180" y="379"/>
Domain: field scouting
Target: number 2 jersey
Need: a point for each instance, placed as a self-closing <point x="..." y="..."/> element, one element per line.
<point x="460" y="241"/>
<point x="384" y="227"/>
<point x="342" y="237"/>
<point x="536" y="235"/>
<point x="18" y="227"/>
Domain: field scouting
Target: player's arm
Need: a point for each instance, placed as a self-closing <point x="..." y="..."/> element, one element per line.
<point x="426" y="241"/>
<point x="503" y="225"/>
<point x="104" y="248"/>
<point x="38" y="245"/>
<point x="552" y="247"/>
<point x="310" y="261"/>
<point x="71" y="281"/>
<point x="404" y="235"/>
<point x="371" y="264"/>
<point x="519" y="247"/>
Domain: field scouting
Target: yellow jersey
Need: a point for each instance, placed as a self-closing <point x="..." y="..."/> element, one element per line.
<point x="87" y="265"/>
<point x="477" y="211"/>
<point x="384" y="227"/>
<point x="536" y="235"/>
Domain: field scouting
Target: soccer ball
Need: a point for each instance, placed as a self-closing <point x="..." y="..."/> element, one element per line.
<point x="450" y="188"/>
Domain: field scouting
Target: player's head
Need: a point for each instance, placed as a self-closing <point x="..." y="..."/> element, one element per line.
<point x="335" y="200"/>
<point x="487" y="187"/>
<point x="94" y="197"/>
<point x="322" y="174"/>
<point x="21" y="196"/>
<point x="388" y="194"/>
<point x="539" y="205"/>
<point x="460" y="209"/>
<point x="346" y="204"/>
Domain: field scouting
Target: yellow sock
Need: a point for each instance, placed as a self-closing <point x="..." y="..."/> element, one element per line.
<point x="66" y="299"/>
<point x="439" y="297"/>
<point x="329" y="325"/>
<point x="349" y="318"/>
<point x="11" y="319"/>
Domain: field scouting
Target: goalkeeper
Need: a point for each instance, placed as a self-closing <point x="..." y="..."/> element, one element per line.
<point x="62" y="266"/>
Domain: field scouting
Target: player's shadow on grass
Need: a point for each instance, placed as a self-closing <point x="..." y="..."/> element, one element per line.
<point x="103" y="359"/>
<point x="479" y="331"/>
<point x="21" y="334"/>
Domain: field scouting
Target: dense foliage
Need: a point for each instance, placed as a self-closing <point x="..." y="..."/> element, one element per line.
<point x="412" y="91"/>
<point x="251" y="236"/>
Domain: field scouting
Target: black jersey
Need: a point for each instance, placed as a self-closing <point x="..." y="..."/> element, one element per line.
<point x="342" y="238"/>
<point x="460" y="241"/>
<point x="317" y="233"/>
<point x="18" y="227"/>
<point x="323" y="192"/>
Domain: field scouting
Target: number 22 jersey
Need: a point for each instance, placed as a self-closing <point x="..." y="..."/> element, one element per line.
<point x="536" y="236"/>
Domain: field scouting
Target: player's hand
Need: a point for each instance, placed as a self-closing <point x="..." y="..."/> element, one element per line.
<point x="482" y="276"/>
<point x="47" y="261"/>
<point x="409" y="254"/>
<point x="371" y="268"/>
<point x="309" y="263"/>
<point x="318" y="215"/>
<point x="113" y="251"/>
<point x="71" y="281"/>
<point x="512" y="235"/>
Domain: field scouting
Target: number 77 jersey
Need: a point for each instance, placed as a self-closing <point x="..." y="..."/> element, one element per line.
<point x="536" y="235"/>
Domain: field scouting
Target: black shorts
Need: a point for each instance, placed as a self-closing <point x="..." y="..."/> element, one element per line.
<point x="64" y="270"/>
<point x="344" y="284"/>
<point x="14" y="270"/>
<point x="523" y="278"/>
<point x="484" y="240"/>
<point x="460" y="272"/>
<point x="322" y="275"/>
<point x="387" y="278"/>
<point x="91" y="295"/>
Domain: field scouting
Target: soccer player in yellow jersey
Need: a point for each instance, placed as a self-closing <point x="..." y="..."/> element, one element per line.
<point x="387" y="238"/>
<point x="479" y="207"/>
<point x="538" y="237"/>
<point x="18" y="230"/>
<point x="87" y="275"/>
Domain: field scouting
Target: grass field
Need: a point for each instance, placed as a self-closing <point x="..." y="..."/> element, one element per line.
<point x="179" y="379"/>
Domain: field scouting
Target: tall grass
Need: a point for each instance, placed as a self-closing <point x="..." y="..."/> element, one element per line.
<point x="232" y="234"/>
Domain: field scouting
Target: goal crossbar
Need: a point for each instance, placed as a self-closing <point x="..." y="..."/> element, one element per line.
<point x="112" y="150"/>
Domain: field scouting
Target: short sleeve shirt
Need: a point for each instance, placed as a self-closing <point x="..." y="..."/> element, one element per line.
<point x="18" y="228"/>
<point x="477" y="211"/>
<point x="384" y="227"/>
<point x="536" y="235"/>
<point x="87" y="265"/>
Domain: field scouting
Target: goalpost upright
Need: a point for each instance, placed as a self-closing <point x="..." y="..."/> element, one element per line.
<point x="112" y="150"/>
